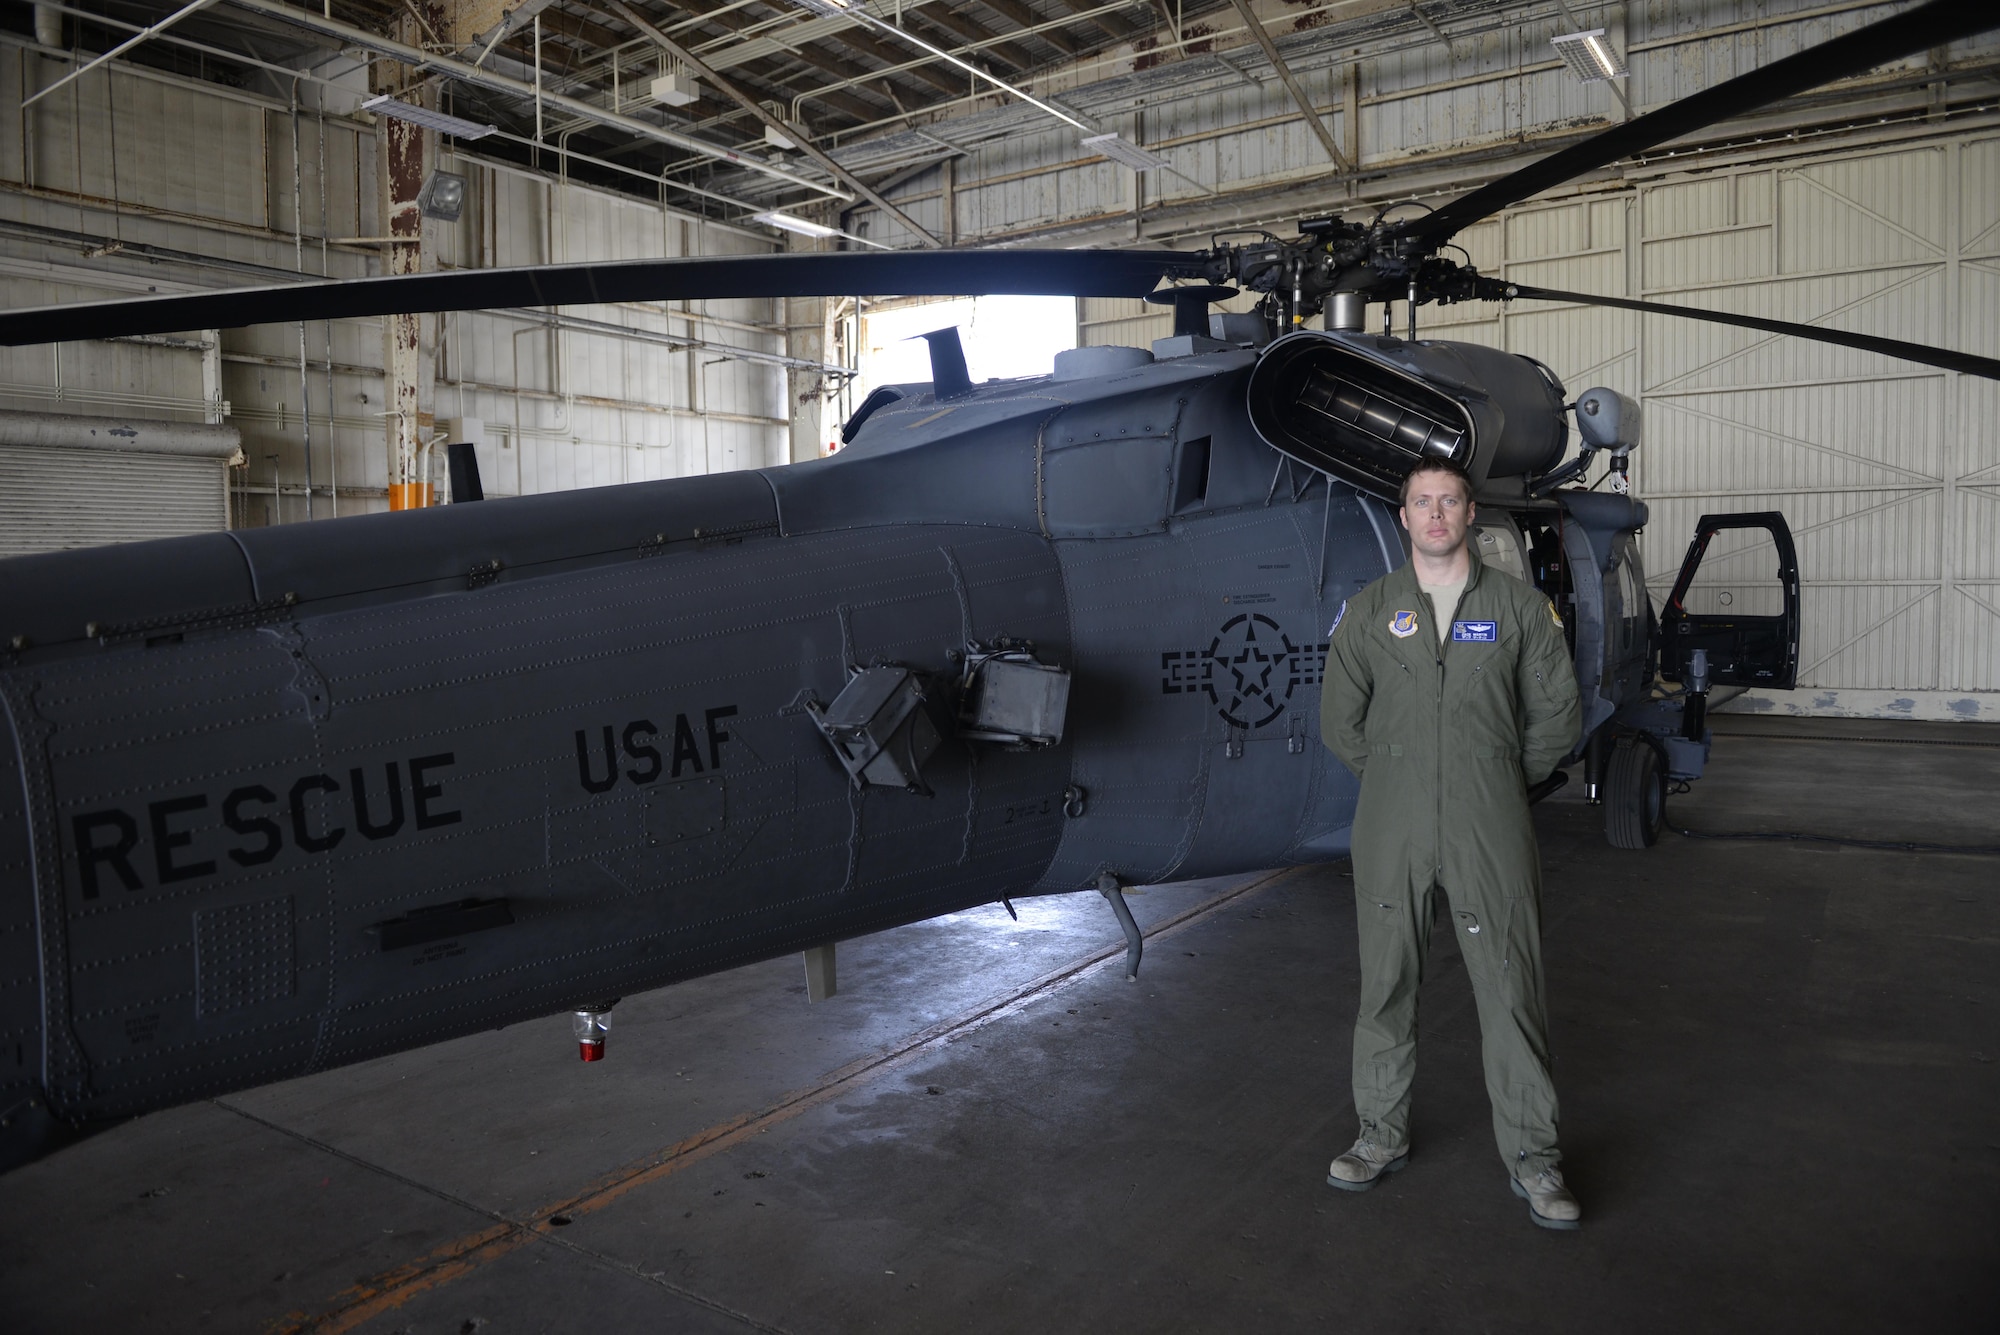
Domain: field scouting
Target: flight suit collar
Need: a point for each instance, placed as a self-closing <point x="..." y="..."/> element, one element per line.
<point x="1404" y="581"/>
<point x="1406" y="592"/>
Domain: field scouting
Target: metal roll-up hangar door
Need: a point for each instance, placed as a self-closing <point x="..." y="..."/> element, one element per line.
<point x="69" y="481"/>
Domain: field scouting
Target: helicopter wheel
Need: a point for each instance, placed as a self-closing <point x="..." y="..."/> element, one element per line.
<point x="1635" y="796"/>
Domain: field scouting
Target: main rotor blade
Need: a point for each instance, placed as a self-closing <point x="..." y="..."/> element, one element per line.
<point x="1903" y="34"/>
<point x="939" y="273"/>
<point x="1888" y="347"/>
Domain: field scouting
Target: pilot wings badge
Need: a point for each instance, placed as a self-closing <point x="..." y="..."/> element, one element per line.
<point x="1403" y="625"/>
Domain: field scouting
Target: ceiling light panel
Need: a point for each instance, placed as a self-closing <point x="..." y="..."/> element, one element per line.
<point x="1589" y="55"/>
<point x="385" y="105"/>
<point x="1120" y="150"/>
<point x="787" y="223"/>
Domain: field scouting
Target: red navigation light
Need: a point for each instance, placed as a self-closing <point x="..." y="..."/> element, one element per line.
<point x="591" y="1027"/>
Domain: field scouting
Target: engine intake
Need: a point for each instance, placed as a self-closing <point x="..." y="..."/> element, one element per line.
<point x="1388" y="421"/>
<point x="1367" y="409"/>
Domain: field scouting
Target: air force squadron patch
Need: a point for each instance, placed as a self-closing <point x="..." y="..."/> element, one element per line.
<point x="1479" y="632"/>
<point x="1403" y="625"/>
<point x="1338" y="617"/>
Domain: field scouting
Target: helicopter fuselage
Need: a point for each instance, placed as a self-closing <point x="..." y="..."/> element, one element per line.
<point x="284" y="799"/>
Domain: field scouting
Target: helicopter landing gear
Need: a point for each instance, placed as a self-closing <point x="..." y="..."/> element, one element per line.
<point x="1635" y="795"/>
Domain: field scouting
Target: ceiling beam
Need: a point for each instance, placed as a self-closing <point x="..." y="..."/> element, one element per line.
<point x="1115" y="27"/>
<point x="777" y="80"/>
<point x="810" y="53"/>
<point x="1284" y="72"/>
<point x="464" y="71"/>
<point x="1019" y="13"/>
<point x="967" y="30"/>
<point x="793" y="132"/>
<point x="888" y="55"/>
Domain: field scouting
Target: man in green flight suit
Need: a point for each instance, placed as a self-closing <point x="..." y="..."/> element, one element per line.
<point x="1449" y="691"/>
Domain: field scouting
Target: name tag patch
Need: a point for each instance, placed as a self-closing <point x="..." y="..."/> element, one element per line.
<point x="1480" y="632"/>
<point x="1403" y="625"/>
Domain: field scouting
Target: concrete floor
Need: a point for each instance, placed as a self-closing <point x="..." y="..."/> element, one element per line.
<point x="1777" y="1064"/>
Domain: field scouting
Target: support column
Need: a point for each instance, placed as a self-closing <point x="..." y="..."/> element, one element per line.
<point x="1350" y="115"/>
<point x="950" y="187"/>
<point x="402" y="153"/>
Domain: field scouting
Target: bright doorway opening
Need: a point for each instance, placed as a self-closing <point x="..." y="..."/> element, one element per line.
<point x="1004" y="337"/>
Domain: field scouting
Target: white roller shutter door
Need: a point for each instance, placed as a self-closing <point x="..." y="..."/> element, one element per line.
<point x="83" y="482"/>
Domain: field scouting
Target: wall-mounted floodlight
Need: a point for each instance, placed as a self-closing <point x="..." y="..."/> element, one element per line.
<point x="1589" y="56"/>
<point x="1121" y="150"/>
<point x="442" y="196"/>
<point x="431" y="120"/>
<point x="785" y="222"/>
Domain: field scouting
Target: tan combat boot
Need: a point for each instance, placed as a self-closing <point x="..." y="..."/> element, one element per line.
<point x="1549" y="1201"/>
<point x="1358" y="1169"/>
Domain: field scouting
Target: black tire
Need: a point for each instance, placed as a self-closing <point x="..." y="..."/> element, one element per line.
<point x="1635" y="796"/>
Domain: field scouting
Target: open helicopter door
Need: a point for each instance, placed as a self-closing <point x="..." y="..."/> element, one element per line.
<point x="1727" y="601"/>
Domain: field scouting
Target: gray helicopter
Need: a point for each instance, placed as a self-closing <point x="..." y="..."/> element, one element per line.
<point x="282" y="799"/>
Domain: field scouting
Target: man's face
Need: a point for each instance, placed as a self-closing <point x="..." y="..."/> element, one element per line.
<point x="1437" y="514"/>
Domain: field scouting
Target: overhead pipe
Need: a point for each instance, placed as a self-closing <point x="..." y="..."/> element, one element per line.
<point x="118" y="50"/>
<point x="703" y="70"/>
<point x="500" y="83"/>
<point x="123" y="435"/>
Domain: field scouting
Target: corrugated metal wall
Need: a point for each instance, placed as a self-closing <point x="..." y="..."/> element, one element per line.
<point x="1228" y="126"/>
<point x="1888" y="472"/>
<point x="138" y="156"/>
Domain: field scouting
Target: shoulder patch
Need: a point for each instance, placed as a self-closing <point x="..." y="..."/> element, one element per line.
<point x="1403" y="625"/>
<point x="1554" y="615"/>
<point x="1338" y="617"/>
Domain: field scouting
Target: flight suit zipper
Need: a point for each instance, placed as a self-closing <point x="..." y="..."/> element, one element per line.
<point x="1437" y="729"/>
<point x="1437" y="742"/>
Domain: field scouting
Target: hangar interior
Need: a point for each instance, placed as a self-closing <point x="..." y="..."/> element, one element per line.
<point x="1783" y="1053"/>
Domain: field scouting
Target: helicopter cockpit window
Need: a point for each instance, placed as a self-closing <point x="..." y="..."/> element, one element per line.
<point x="1738" y="576"/>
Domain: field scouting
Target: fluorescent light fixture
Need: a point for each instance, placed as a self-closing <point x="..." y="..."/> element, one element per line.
<point x="785" y="222"/>
<point x="1120" y="150"/>
<point x="778" y="139"/>
<point x="1589" y="56"/>
<point x="386" y="105"/>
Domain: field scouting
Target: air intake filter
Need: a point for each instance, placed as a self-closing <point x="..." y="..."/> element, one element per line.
<point x="1389" y="422"/>
<point x="1367" y="410"/>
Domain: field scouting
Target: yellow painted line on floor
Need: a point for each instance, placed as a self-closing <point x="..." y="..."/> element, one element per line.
<point x="393" y="1288"/>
